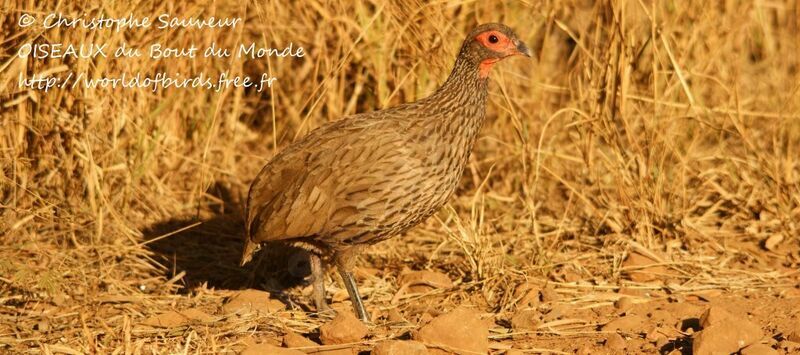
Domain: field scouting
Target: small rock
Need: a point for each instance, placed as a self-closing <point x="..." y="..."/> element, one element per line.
<point x="759" y="349"/>
<point x="615" y="342"/>
<point x="460" y="330"/>
<point x="572" y="276"/>
<point x="173" y="319"/>
<point x="425" y="318"/>
<point x="424" y="281"/>
<point x="557" y="311"/>
<point x="43" y="326"/>
<point x="526" y="319"/>
<point x="400" y="347"/>
<point x="660" y="317"/>
<point x="628" y="324"/>
<point x="60" y="300"/>
<point x="653" y="334"/>
<point x="344" y="328"/>
<point x="363" y="273"/>
<point x="623" y="303"/>
<point x="394" y="316"/>
<point x="264" y="348"/>
<point x="662" y="341"/>
<point x="252" y="301"/>
<point x="549" y="294"/>
<point x="793" y="334"/>
<point x="714" y="315"/>
<point x="632" y="292"/>
<point x="294" y="340"/>
<point x="640" y="268"/>
<point x="527" y="295"/>
<point x="342" y="351"/>
<point x="772" y="242"/>
<point x="789" y="347"/>
<point x="726" y="337"/>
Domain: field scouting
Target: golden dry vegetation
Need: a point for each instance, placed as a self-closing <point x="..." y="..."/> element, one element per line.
<point x="666" y="129"/>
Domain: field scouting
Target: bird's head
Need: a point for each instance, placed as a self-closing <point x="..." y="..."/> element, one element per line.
<point x="489" y="43"/>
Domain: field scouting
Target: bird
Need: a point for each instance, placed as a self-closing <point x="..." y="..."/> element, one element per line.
<point x="371" y="176"/>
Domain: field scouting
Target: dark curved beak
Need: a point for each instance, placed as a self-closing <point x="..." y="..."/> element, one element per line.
<point x="522" y="49"/>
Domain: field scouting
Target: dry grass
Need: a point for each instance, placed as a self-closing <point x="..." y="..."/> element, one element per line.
<point x="666" y="128"/>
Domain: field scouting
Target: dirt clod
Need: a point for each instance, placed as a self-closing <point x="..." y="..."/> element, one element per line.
<point x="394" y="316"/>
<point x="400" y="347"/>
<point x="615" y="342"/>
<point x="252" y="301"/>
<point x="549" y="294"/>
<point x="460" y="330"/>
<point x="526" y="319"/>
<point x="424" y="281"/>
<point x="629" y="324"/>
<point x="772" y="242"/>
<point x="294" y="340"/>
<point x="759" y="349"/>
<point x="714" y="315"/>
<point x="264" y="348"/>
<point x="793" y="334"/>
<point x="173" y="319"/>
<point x="724" y="332"/>
<point x="639" y="268"/>
<point x="344" y="328"/>
<point x="527" y="295"/>
<point x="623" y="303"/>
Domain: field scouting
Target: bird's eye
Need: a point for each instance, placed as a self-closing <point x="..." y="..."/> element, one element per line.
<point x="493" y="39"/>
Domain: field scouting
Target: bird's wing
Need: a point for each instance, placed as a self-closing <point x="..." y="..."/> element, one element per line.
<point x="331" y="184"/>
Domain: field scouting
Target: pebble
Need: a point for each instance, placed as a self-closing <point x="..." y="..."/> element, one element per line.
<point x="294" y="340"/>
<point x="527" y="295"/>
<point x="344" y="328"/>
<point x="615" y="342"/>
<point x="724" y="333"/>
<point x="793" y="334"/>
<point x="526" y="319"/>
<point x="460" y="330"/>
<point x="424" y="281"/>
<point x="173" y="319"/>
<point x="759" y="349"/>
<point x="264" y="348"/>
<point x="623" y="303"/>
<point x="400" y="347"/>
<point x="549" y="294"/>
<point x="637" y="268"/>
<point x="252" y="301"/>
<point x="629" y="324"/>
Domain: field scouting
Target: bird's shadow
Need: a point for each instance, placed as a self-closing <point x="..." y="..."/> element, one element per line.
<point x="208" y="251"/>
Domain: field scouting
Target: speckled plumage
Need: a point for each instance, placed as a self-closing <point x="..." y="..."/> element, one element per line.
<point x="371" y="176"/>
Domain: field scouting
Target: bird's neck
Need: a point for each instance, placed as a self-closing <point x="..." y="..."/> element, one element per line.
<point x="460" y="103"/>
<point x="465" y="85"/>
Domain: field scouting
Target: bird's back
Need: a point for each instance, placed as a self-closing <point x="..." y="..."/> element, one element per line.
<point x="358" y="180"/>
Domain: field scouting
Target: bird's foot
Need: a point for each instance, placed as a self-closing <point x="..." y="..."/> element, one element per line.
<point x="325" y="311"/>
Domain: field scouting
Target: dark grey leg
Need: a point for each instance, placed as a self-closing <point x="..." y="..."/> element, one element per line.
<point x="355" y="298"/>
<point x="318" y="283"/>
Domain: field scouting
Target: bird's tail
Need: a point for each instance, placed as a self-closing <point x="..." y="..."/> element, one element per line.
<point x="250" y="248"/>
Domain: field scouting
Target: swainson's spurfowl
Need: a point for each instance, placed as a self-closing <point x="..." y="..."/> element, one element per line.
<point x="371" y="176"/>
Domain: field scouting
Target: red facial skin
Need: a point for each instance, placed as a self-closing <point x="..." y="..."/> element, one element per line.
<point x="504" y="46"/>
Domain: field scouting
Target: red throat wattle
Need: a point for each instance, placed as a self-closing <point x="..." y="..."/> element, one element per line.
<point x="486" y="66"/>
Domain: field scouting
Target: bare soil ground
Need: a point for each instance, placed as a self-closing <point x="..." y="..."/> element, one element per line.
<point x="201" y="301"/>
<point x="636" y="187"/>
